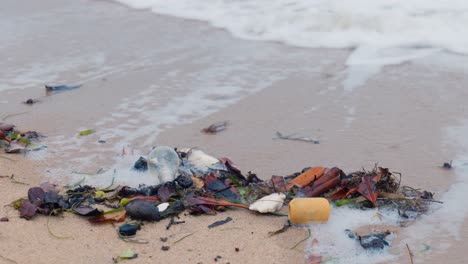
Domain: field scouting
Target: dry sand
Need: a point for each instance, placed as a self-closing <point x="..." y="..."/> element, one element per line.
<point x="397" y="119"/>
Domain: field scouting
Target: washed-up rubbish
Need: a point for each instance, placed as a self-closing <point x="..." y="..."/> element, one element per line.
<point x="374" y="241"/>
<point x="221" y="222"/>
<point x="163" y="164"/>
<point x="216" y="127"/>
<point x="14" y="141"/>
<point x="197" y="183"/>
<point x="61" y="88"/>
<point x="294" y="137"/>
<point x="30" y="101"/>
<point x="141" y="164"/>
<point x="199" y="162"/>
<point x="447" y="165"/>
<point x="306" y="210"/>
<point x="143" y="210"/>
<point x="269" y="204"/>
<point x="128" y="230"/>
<point x="4" y="219"/>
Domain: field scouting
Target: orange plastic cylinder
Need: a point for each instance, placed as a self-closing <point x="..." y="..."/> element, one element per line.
<point x="307" y="210"/>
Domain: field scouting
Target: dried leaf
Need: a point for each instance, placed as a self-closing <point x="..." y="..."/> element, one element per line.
<point x="36" y="195"/>
<point x="117" y="216"/>
<point x="166" y="191"/>
<point x="306" y="178"/>
<point x="211" y="201"/>
<point x="368" y="189"/>
<point x="278" y="183"/>
<point x="87" y="211"/>
<point x="128" y="254"/>
<point x="27" y="210"/>
<point x="198" y="182"/>
<point x="215" y="128"/>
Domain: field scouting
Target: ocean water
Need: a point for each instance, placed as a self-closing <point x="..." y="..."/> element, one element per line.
<point x="385" y="32"/>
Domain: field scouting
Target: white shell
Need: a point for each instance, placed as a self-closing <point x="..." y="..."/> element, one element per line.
<point x="269" y="204"/>
<point x="201" y="160"/>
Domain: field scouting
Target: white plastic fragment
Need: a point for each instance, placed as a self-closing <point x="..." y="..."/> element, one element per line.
<point x="201" y="160"/>
<point x="162" y="207"/>
<point x="163" y="163"/>
<point x="269" y="204"/>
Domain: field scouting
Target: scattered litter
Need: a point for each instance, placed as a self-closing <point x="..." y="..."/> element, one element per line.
<point x="86" y="132"/>
<point x="375" y="241"/>
<point x="217" y="258"/>
<point x="237" y="249"/>
<point x="173" y="222"/>
<point x="447" y="165"/>
<point x="165" y="248"/>
<point x="4" y="219"/>
<point x="128" y="230"/>
<point x="30" y="101"/>
<point x="61" y="88"/>
<point x="14" y="141"/>
<point x="306" y="210"/>
<point x="296" y="138"/>
<point x="221" y="222"/>
<point x="216" y="127"/>
<point x="269" y="204"/>
<point x="141" y="164"/>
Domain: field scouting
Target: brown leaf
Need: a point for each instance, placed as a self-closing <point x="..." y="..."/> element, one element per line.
<point x="4" y="137"/>
<point x="368" y="189"/>
<point x="215" y="128"/>
<point x="306" y="178"/>
<point x="212" y="201"/>
<point x="109" y="218"/>
<point x="278" y="183"/>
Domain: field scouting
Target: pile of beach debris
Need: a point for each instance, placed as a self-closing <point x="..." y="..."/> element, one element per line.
<point x="213" y="188"/>
<point x="14" y="141"/>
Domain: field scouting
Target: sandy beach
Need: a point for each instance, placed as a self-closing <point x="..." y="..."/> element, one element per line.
<point x="153" y="80"/>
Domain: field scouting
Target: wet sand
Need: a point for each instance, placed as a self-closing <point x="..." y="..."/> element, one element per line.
<point x="397" y="119"/>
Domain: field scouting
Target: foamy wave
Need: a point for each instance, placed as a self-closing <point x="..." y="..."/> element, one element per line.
<point x="331" y="23"/>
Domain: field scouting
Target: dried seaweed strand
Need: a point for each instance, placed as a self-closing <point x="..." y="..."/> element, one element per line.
<point x="3" y="157"/>
<point x="298" y="243"/>
<point x="184" y="237"/>
<point x="410" y="254"/>
<point x="50" y="231"/>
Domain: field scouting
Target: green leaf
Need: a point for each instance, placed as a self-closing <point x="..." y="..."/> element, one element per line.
<point x="128" y="254"/>
<point x="86" y="132"/>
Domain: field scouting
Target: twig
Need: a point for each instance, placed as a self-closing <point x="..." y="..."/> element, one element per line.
<point x="11" y="115"/>
<point x="308" y="236"/>
<point x="184" y="237"/>
<point x="410" y="254"/>
<point x="13" y="180"/>
<point x="173" y="222"/>
<point x="8" y="259"/>
<point x="136" y="241"/>
<point x="7" y="158"/>
<point x="297" y="138"/>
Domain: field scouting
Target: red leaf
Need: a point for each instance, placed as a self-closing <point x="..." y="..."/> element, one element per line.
<point x="27" y="210"/>
<point x="368" y="189"/>
<point x="110" y="218"/>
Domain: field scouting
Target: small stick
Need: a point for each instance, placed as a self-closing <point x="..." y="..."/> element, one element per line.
<point x="7" y="158"/>
<point x="298" y="243"/>
<point x="184" y="237"/>
<point x="297" y="138"/>
<point x="410" y="254"/>
<point x="11" y="115"/>
<point x="173" y="222"/>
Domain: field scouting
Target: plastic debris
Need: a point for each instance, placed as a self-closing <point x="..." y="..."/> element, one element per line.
<point x="163" y="163"/>
<point x="269" y="204"/>
<point x="306" y="210"/>
<point x="61" y="88"/>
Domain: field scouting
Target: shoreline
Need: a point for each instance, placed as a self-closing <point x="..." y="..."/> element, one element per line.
<point x="398" y="119"/>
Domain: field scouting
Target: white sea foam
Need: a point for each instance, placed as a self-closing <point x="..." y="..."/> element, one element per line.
<point x="382" y="32"/>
